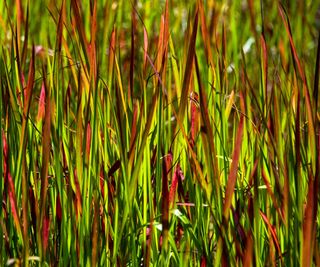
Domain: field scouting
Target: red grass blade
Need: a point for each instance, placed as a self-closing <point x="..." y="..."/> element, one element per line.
<point x="194" y="106"/>
<point x="188" y="70"/>
<point x="272" y="231"/>
<point x="232" y="178"/>
<point x="269" y="189"/>
<point x="309" y="222"/>
<point x="45" y="233"/>
<point x="45" y="160"/>
<point x="145" y="48"/>
<point x="41" y="105"/>
<point x="165" y="206"/>
<point x="205" y="34"/>
<point x="177" y="177"/>
<point x="316" y="77"/>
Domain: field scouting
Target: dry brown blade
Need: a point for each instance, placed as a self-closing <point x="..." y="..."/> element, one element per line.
<point x="232" y="178"/>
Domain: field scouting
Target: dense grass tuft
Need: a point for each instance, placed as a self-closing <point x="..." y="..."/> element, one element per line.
<point x="159" y="133"/>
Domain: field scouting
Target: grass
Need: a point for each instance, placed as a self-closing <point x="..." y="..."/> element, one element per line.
<point x="159" y="133"/>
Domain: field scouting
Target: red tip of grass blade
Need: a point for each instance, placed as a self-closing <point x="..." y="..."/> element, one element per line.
<point x="41" y="105"/>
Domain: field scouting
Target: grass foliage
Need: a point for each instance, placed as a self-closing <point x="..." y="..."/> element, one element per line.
<point x="159" y="133"/>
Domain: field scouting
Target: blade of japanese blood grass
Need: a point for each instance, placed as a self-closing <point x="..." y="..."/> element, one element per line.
<point x="42" y="102"/>
<point x="264" y="70"/>
<point x="145" y="48"/>
<point x="232" y="178"/>
<point x="165" y="207"/>
<point x="80" y="28"/>
<point x="20" y="20"/>
<point x="92" y="47"/>
<point x="25" y="43"/>
<point x="205" y="34"/>
<point x="120" y="90"/>
<point x="194" y="106"/>
<point x="44" y="167"/>
<point x="133" y="133"/>
<point x="273" y="233"/>
<point x="45" y="231"/>
<point x="316" y="79"/>
<point x="176" y="179"/>
<point x="132" y="54"/>
<point x="112" y="47"/>
<point x="163" y="41"/>
<point x="311" y="129"/>
<point x="60" y="26"/>
<point x="310" y="221"/>
<point x="12" y="195"/>
<point x="188" y="70"/>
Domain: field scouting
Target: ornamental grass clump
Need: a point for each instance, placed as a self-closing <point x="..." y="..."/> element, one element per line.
<point x="159" y="133"/>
